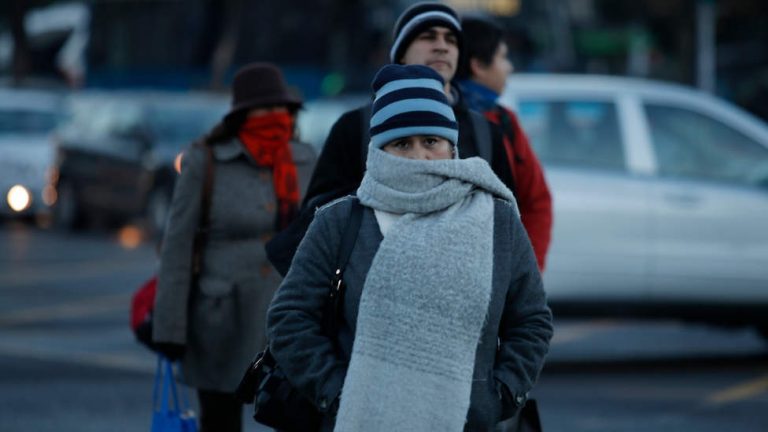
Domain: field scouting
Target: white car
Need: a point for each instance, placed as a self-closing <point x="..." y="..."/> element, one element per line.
<point x="26" y="119"/>
<point x="660" y="196"/>
<point x="318" y="115"/>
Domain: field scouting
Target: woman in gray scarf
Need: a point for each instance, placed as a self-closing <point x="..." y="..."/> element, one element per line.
<point x="445" y="324"/>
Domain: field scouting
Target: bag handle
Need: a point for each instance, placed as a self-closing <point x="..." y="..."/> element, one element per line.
<point x="165" y="384"/>
<point x="170" y="384"/>
<point x="158" y="378"/>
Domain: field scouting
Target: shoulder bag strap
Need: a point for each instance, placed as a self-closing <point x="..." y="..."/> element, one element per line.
<point x="201" y="235"/>
<point x="348" y="240"/>
<point x="481" y="128"/>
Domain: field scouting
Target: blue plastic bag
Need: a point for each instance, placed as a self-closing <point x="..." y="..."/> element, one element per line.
<point x="169" y="413"/>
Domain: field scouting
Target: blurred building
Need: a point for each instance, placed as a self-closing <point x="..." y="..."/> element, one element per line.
<point x="718" y="45"/>
<point x="330" y="46"/>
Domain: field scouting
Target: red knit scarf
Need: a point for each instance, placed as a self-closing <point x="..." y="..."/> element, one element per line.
<point x="267" y="138"/>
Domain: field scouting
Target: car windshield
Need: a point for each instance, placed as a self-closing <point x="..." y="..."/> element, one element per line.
<point x="176" y="124"/>
<point x="20" y="121"/>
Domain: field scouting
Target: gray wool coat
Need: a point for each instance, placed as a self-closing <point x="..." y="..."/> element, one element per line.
<point x="221" y="320"/>
<point x="510" y="353"/>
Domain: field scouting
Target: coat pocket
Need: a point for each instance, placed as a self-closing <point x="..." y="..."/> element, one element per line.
<point x="485" y="406"/>
<point x="215" y="288"/>
<point x="216" y="318"/>
<point x="495" y="406"/>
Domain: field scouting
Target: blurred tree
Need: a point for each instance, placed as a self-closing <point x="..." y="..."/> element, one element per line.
<point x="224" y="51"/>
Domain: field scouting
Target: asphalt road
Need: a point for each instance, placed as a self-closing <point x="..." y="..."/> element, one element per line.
<point x="68" y="361"/>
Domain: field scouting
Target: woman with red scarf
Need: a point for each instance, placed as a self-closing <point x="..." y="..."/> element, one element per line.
<point x="213" y="319"/>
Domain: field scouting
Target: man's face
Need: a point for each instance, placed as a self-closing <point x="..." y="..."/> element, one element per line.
<point x="493" y="75"/>
<point x="436" y="47"/>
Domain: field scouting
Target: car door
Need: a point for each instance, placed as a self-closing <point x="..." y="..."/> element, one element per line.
<point x="132" y="146"/>
<point x="83" y="153"/>
<point x="709" y="205"/>
<point x="125" y="146"/>
<point x="599" y="248"/>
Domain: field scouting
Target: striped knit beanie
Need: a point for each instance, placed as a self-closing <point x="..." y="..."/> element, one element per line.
<point x="410" y="100"/>
<point x="418" y="18"/>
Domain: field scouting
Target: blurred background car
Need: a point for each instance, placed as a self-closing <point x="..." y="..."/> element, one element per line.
<point x="318" y="115"/>
<point x="27" y="117"/>
<point x="660" y="196"/>
<point x="118" y="154"/>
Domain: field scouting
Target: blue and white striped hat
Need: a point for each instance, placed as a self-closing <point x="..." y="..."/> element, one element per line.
<point x="410" y="100"/>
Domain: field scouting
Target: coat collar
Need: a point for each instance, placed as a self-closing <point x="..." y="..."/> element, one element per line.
<point x="228" y="150"/>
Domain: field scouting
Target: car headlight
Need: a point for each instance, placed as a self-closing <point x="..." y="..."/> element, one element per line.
<point x="19" y="198"/>
<point x="177" y="162"/>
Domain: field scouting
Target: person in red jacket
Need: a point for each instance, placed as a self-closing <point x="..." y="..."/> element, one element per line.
<point x="483" y="73"/>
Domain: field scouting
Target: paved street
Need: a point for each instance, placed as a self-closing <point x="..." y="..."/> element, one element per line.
<point x="68" y="361"/>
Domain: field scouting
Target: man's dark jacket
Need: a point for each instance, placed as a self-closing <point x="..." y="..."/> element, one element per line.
<point x="341" y="164"/>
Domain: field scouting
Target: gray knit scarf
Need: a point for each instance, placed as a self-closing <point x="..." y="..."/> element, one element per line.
<point x="426" y="295"/>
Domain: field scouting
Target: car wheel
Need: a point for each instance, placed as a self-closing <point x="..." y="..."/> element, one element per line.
<point x="156" y="213"/>
<point x="66" y="211"/>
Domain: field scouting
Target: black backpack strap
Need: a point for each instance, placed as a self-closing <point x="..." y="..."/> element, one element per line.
<point x="365" y="136"/>
<point x="481" y="128"/>
<point x="506" y="127"/>
<point x="348" y="240"/>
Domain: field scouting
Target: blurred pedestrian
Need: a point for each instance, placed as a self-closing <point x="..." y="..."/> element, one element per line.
<point x="483" y="74"/>
<point x="445" y="325"/>
<point x="214" y="320"/>
<point x="425" y="34"/>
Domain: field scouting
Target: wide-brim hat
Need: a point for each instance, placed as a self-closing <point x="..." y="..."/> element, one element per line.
<point x="260" y="85"/>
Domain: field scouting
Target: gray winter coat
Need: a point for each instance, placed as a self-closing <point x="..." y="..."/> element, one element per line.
<point x="221" y="321"/>
<point x="510" y="352"/>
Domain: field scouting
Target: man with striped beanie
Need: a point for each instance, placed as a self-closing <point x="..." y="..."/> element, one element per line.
<point x="427" y="34"/>
<point x="429" y="25"/>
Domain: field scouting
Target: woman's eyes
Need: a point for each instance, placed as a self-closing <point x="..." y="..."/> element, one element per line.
<point x="406" y="144"/>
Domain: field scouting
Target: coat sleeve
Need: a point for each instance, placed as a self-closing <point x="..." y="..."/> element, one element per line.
<point x="340" y="163"/>
<point x="295" y="316"/>
<point x="533" y="196"/>
<point x="526" y="322"/>
<point x="169" y="322"/>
